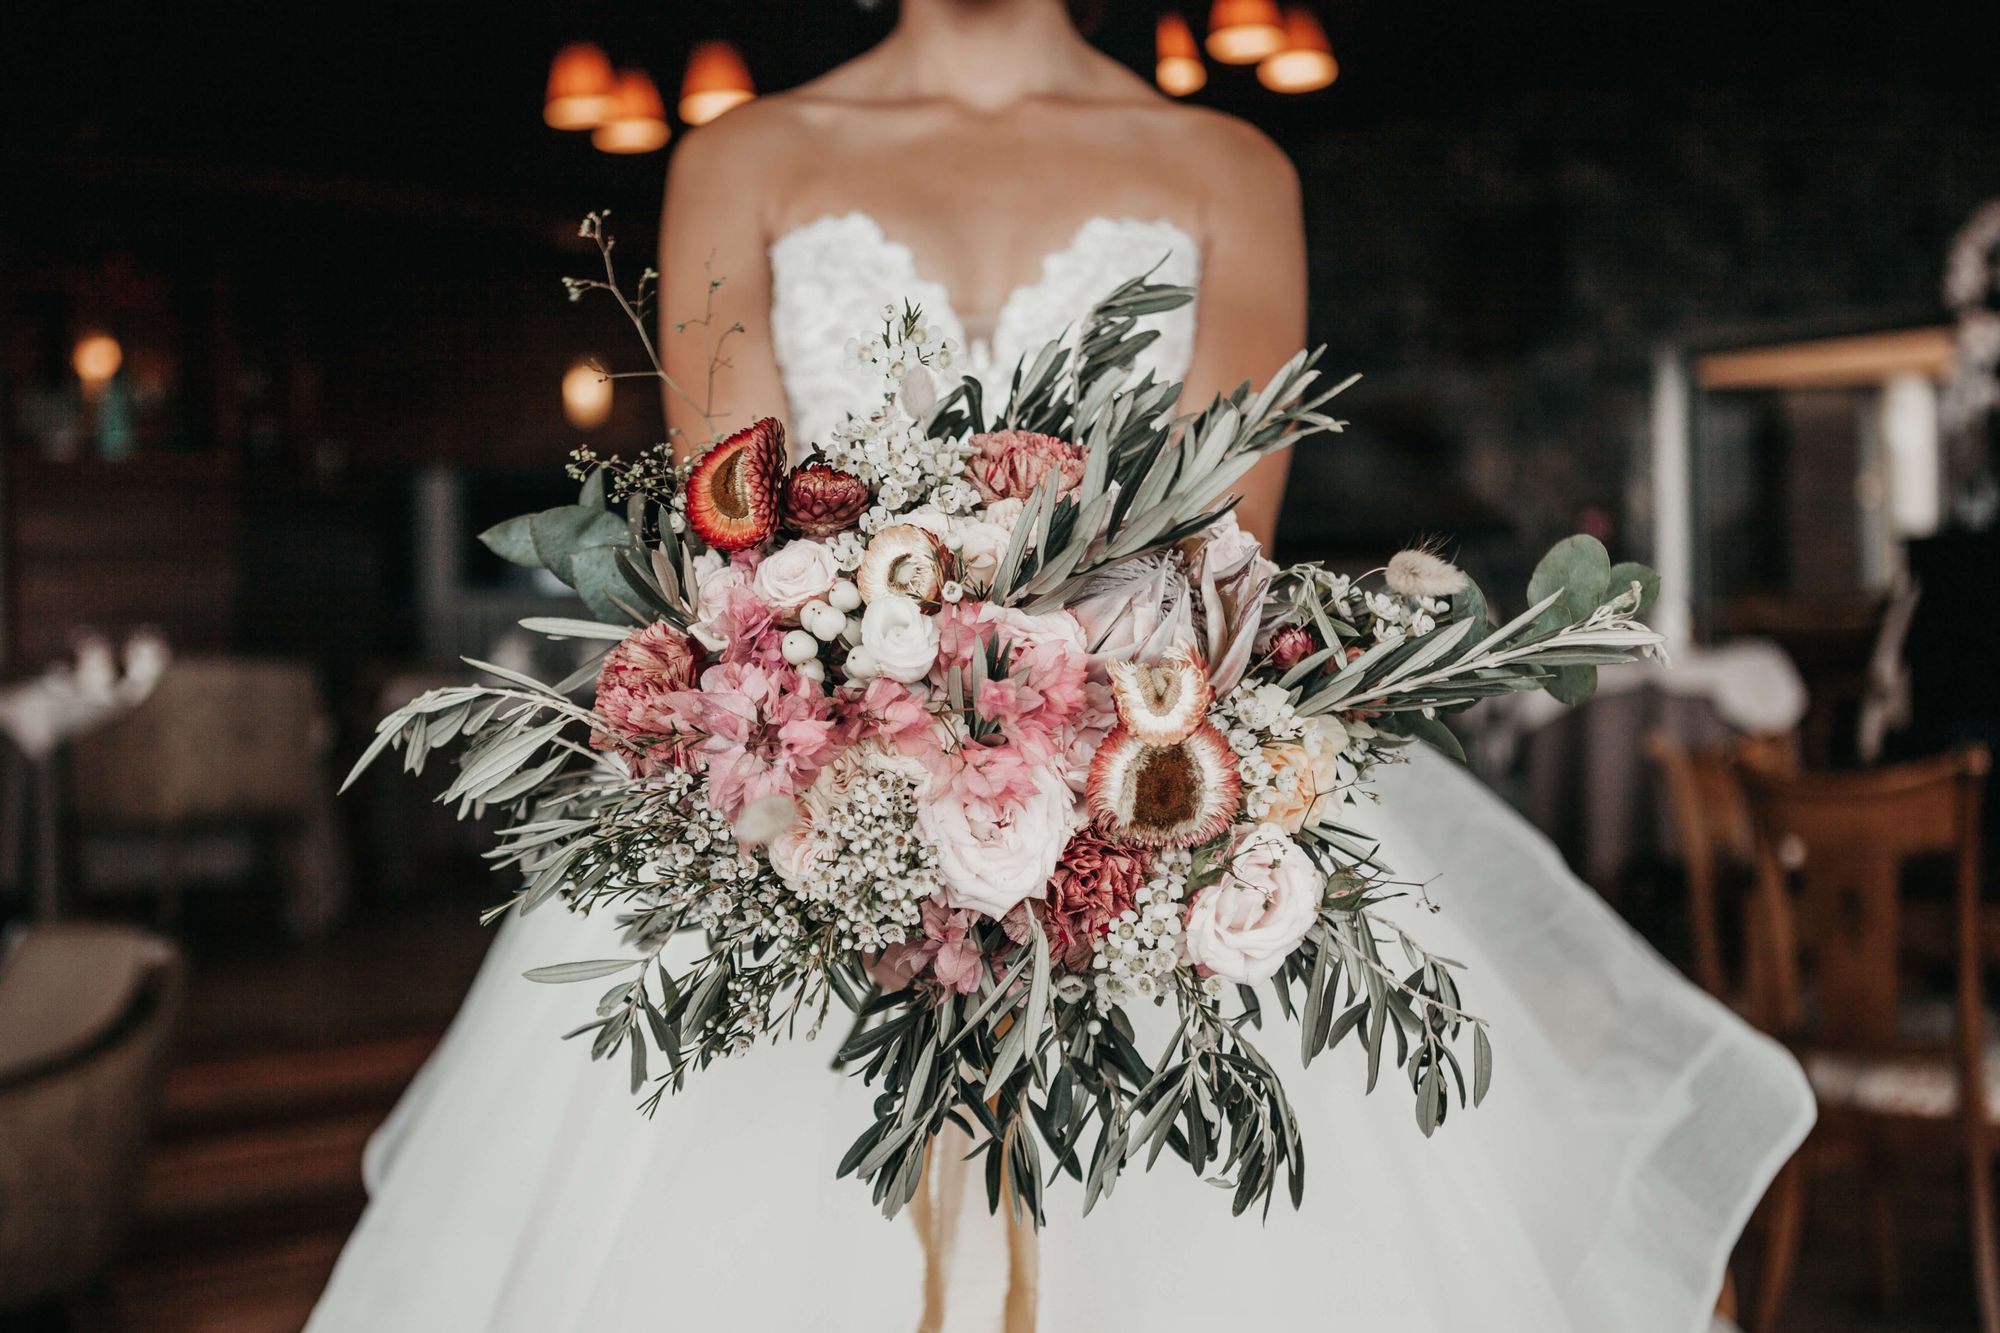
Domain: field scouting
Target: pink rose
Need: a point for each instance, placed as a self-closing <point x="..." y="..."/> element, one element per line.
<point x="635" y="688"/>
<point x="1009" y="464"/>
<point x="1244" y="925"/>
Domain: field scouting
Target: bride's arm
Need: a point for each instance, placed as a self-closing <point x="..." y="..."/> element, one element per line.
<point x="1251" y="316"/>
<point x="712" y="232"/>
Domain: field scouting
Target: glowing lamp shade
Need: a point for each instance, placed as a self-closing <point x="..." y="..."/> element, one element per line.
<point x="586" y="393"/>
<point x="716" y="80"/>
<point x="637" y="121"/>
<point x="1179" y="70"/>
<point x="580" y="86"/>
<point x="1243" y="32"/>
<point x="1306" y="61"/>
<point x="95" y="359"/>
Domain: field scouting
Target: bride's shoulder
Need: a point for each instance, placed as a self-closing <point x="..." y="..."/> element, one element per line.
<point x="1226" y="151"/>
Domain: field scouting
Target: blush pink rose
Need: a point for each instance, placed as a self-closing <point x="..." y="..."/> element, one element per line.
<point x="1009" y="464"/>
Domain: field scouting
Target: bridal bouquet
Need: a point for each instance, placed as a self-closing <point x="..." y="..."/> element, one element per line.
<point x="985" y="723"/>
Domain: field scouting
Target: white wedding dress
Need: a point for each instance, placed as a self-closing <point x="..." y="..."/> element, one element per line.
<point x="1632" y="1122"/>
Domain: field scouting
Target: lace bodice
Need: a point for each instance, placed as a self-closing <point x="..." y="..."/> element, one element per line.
<point x="831" y="277"/>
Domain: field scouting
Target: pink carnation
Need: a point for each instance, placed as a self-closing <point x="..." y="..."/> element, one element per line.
<point x="948" y="952"/>
<point x="637" y="691"/>
<point x="1009" y="464"/>
<point x="1094" y="882"/>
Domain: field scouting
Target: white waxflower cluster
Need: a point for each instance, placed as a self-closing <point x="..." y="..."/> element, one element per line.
<point x="690" y="860"/>
<point x="1249" y="718"/>
<point x="888" y="448"/>
<point x="848" y="550"/>
<point x="864" y="867"/>
<point x="1403" y="617"/>
<point x="1137" y="957"/>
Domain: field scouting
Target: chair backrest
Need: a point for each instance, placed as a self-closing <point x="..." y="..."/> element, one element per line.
<point x="1712" y="828"/>
<point x="1844" y="839"/>
<point x="86" y="1013"/>
<point x="220" y="738"/>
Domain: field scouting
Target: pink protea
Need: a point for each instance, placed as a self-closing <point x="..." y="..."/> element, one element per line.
<point x="948" y="953"/>
<point x="636" y="691"/>
<point x="1095" y="881"/>
<point x="1009" y="464"/>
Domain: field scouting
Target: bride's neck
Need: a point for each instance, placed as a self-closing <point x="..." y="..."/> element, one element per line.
<point x="985" y="53"/>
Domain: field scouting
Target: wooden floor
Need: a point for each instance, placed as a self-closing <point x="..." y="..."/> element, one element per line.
<point x="295" y="1056"/>
<point x="292" y="1055"/>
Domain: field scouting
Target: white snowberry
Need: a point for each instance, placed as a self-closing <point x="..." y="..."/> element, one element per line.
<point x="799" y="647"/>
<point x="843" y="596"/>
<point x="821" y="621"/>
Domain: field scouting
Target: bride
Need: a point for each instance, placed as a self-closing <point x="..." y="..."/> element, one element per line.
<point x="985" y="163"/>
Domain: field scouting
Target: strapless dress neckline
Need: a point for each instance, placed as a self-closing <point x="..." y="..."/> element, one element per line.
<point x="831" y="276"/>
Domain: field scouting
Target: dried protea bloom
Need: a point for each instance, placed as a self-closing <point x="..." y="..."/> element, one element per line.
<point x="732" y="496"/>
<point x="1419" y="573"/>
<point x="903" y="560"/>
<point x="820" y="500"/>
<point x="1163" y="702"/>
<point x="1164" y="795"/>
<point x="1291" y="645"/>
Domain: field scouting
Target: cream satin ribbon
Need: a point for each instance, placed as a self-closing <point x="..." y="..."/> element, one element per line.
<point x="935" y="1211"/>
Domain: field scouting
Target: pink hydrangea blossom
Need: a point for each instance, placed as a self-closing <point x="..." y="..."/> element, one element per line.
<point x="1038" y="702"/>
<point x="892" y="714"/>
<point x="759" y="731"/>
<point x="948" y="952"/>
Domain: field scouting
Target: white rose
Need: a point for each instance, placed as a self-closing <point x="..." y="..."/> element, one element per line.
<point x="794" y="574"/>
<point x="981" y="545"/>
<point x="1244" y="925"/>
<point x="714" y="576"/>
<point x="900" y="640"/>
<point x="991" y="864"/>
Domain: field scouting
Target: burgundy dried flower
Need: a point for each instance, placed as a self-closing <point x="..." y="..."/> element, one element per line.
<point x="1292" y="645"/>
<point x="820" y="500"/>
<point x="1094" y="882"/>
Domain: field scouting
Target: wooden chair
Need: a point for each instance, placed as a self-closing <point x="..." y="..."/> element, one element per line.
<point x="1711" y="820"/>
<point x="1827" y="976"/>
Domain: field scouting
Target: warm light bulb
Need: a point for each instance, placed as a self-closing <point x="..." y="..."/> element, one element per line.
<point x="716" y="80"/>
<point x="1179" y="70"/>
<point x="579" y="92"/>
<point x="96" y="359"/>
<point x="637" y="121"/>
<point x="1306" y="62"/>
<point x="586" y="395"/>
<point x="1242" y="32"/>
